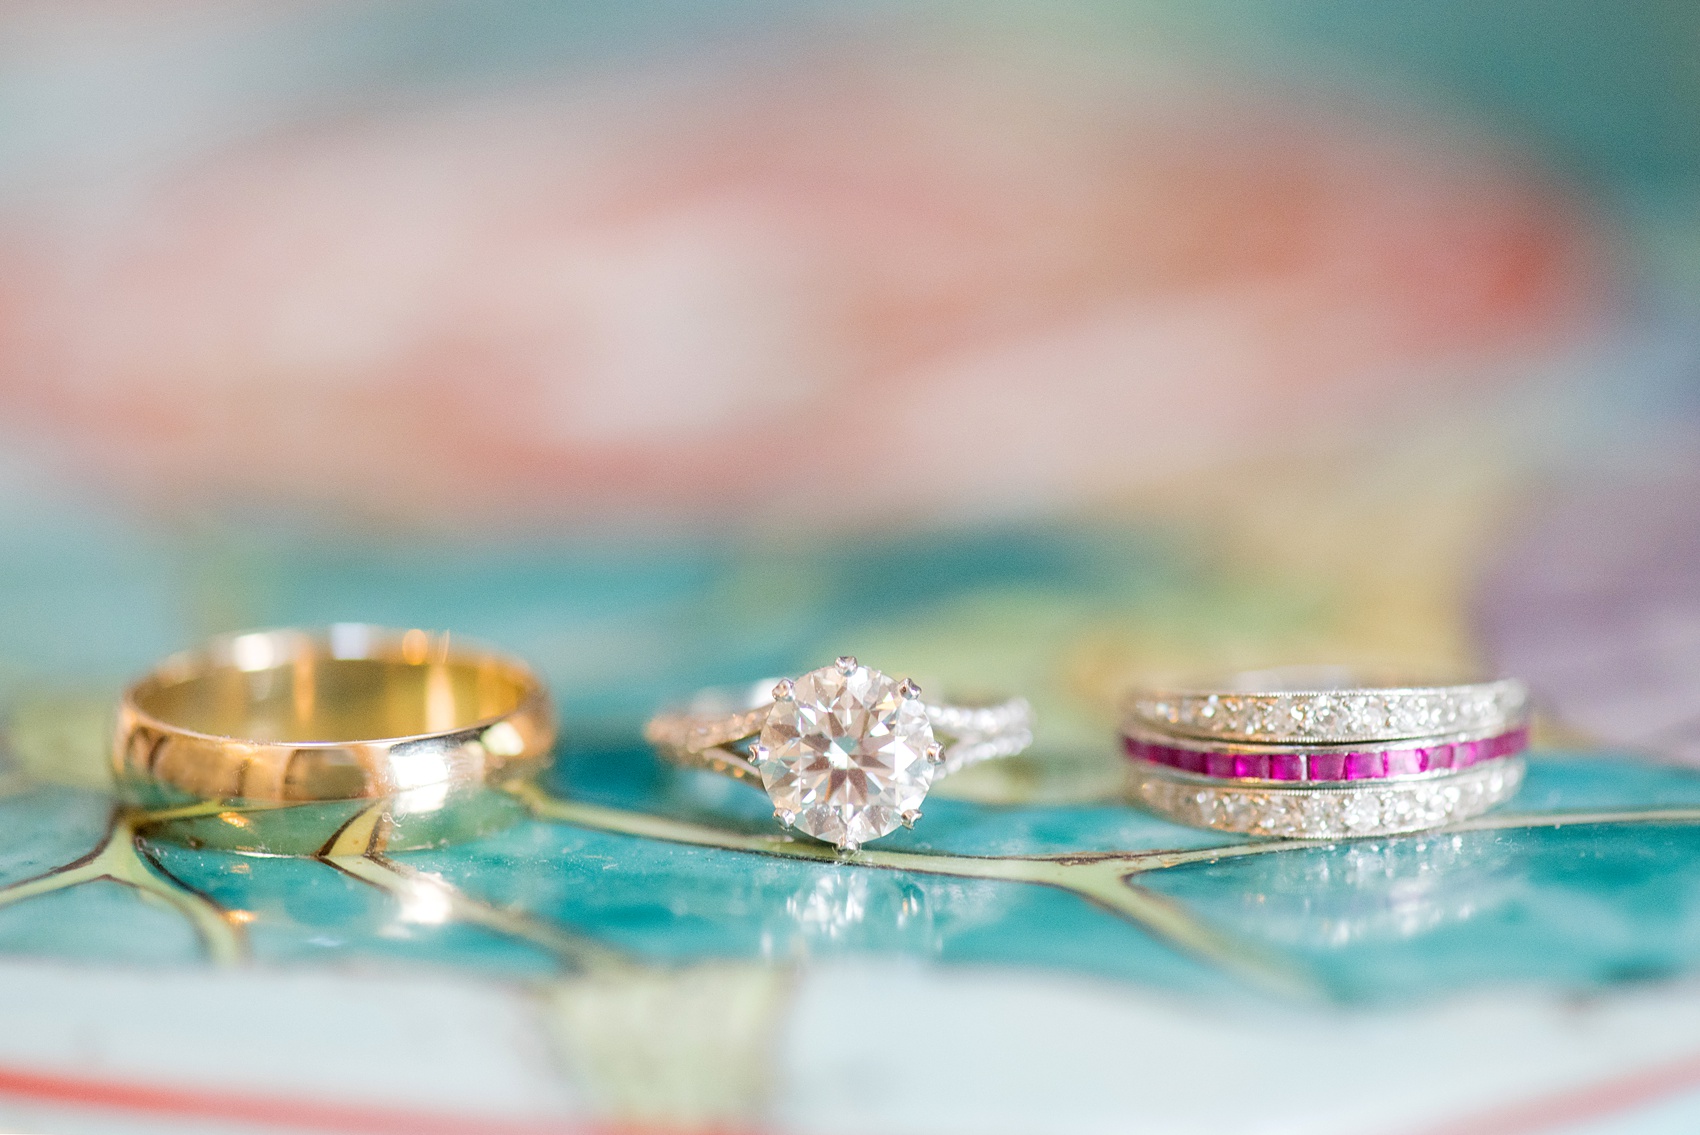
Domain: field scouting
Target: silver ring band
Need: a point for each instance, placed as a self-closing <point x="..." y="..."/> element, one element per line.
<point x="1321" y="705"/>
<point x="1369" y="809"/>
<point x="1306" y="753"/>
<point x="704" y="732"/>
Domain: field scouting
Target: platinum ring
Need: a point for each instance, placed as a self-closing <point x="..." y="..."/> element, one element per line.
<point x="1371" y="809"/>
<point x="1278" y="753"/>
<point x="846" y="753"/>
<point x="1324" y="705"/>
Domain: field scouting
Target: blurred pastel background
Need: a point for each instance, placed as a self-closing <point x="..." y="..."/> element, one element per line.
<point x="656" y="340"/>
<point x="1039" y="342"/>
<point x="1019" y="345"/>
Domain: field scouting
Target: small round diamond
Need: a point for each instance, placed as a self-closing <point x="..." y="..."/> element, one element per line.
<point x="1363" y="812"/>
<point x="847" y="754"/>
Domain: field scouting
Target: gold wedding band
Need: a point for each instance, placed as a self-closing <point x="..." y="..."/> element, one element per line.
<point x="333" y="741"/>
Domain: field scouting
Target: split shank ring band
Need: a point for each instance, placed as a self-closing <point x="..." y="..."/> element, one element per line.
<point x="845" y="753"/>
<point x="1307" y="753"/>
<point x="256" y="742"/>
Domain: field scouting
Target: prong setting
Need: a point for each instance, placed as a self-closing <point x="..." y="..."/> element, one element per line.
<point x="935" y="753"/>
<point x="782" y="689"/>
<point x="910" y="817"/>
<point x="839" y="756"/>
<point x="786" y="819"/>
<point x="909" y="689"/>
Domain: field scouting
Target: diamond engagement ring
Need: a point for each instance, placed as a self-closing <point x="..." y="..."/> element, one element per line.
<point x="845" y="753"/>
<point x="1304" y="753"/>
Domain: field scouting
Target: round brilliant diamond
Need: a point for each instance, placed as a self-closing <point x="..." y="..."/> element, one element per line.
<point x="846" y="754"/>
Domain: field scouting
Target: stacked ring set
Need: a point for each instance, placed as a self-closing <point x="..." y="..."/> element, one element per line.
<point x="310" y="742"/>
<point x="1301" y="754"/>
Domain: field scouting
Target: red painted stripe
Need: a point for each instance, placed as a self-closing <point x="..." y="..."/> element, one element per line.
<point x="301" y="1114"/>
<point x="1596" y="1101"/>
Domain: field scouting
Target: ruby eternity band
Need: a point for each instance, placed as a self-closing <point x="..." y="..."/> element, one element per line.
<point x="1304" y="753"/>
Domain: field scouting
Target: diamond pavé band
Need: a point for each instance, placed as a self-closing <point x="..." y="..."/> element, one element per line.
<point x="1380" y="808"/>
<point x="1304" y="753"/>
<point x="1291" y="714"/>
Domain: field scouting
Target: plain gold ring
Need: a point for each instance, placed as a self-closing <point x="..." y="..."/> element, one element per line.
<point x="344" y="715"/>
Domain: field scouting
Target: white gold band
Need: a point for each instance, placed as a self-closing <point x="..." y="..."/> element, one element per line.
<point x="1374" y="808"/>
<point x="702" y="733"/>
<point x="1276" y="707"/>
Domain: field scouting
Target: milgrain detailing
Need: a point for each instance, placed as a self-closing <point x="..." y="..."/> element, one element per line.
<point x="1331" y="716"/>
<point x="1328" y="813"/>
<point x="1269" y="754"/>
